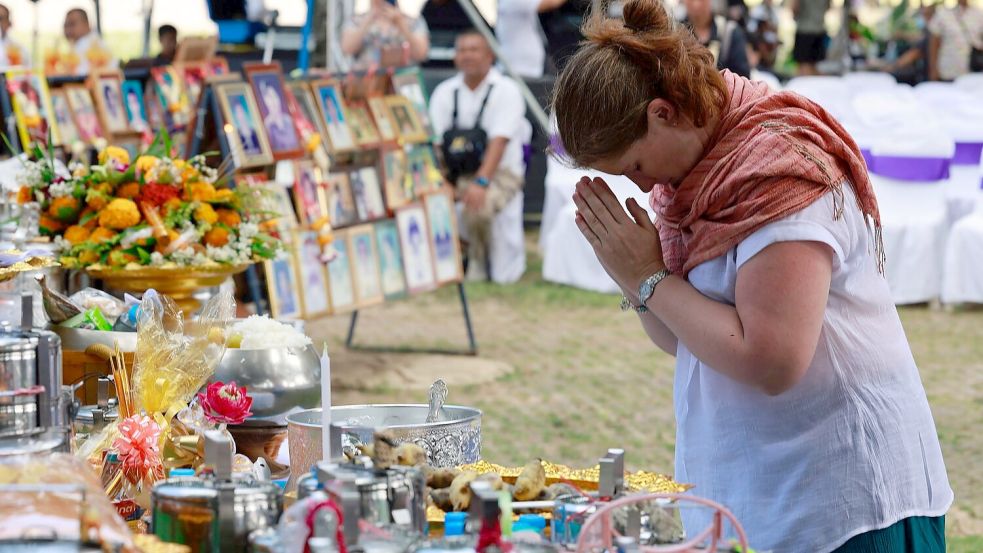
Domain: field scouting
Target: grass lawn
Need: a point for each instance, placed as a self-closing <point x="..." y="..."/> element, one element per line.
<point x="585" y="378"/>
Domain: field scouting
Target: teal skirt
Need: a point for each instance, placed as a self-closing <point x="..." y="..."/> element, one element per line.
<point x="910" y="535"/>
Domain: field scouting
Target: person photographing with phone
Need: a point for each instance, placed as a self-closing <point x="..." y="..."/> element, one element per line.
<point x="385" y="37"/>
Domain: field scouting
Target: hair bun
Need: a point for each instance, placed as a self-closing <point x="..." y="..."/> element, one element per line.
<point x="643" y="16"/>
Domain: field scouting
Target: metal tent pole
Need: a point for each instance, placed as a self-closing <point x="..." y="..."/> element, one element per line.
<point x="531" y="101"/>
<point x="304" y="59"/>
<point x="148" y="14"/>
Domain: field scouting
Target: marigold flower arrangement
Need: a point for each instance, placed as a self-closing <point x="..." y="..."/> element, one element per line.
<point x="153" y="211"/>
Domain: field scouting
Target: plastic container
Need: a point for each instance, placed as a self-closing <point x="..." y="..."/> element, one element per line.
<point x="454" y="524"/>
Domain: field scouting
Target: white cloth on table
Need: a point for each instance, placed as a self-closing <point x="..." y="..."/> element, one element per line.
<point x="852" y="447"/>
<point x="504" y="115"/>
<point x="507" y="251"/>
<point x="567" y="256"/>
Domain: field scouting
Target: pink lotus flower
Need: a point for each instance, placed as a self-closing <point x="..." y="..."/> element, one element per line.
<point x="139" y="449"/>
<point x="225" y="403"/>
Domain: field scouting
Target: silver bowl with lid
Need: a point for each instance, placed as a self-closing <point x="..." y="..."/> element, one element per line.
<point x="454" y="439"/>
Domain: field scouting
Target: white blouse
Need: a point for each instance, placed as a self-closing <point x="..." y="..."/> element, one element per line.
<point x="852" y="447"/>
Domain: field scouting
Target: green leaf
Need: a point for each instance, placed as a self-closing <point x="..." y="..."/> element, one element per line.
<point x="88" y="217"/>
<point x="143" y="255"/>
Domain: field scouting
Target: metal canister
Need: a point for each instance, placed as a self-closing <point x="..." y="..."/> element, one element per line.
<point x="245" y="506"/>
<point x="185" y="511"/>
<point x="20" y="393"/>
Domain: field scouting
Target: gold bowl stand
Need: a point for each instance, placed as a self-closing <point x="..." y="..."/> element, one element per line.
<point x="180" y="283"/>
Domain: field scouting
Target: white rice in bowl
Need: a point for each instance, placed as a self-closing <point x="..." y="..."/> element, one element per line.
<point x="262" y="332"/>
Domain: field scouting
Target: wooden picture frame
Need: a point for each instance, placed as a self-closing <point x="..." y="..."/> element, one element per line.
<point x="172" y="95"/>
<point x="107" y="92"/>
<point x="309" y="192"/>
<point x="311" y="274"/>
<point x="218" y="65"/>
<point x="84" y="113"/>
<point x="362" y="126"/>
<point x="418" y="266"/>
<point x="340" y="203"/>
<point x="308" y="109"/>
<point x="367" y="193"/>
<point x="408" y="82"/>
<point x="269" y="88"/>
<point x="383" y="119"/>
<point x="421" y="170"/>
<point x="365" y="265"/>
<point x="341" y="285"/>
<point x="281" y="286"/>
<point x="196" y="48"/>
<point x="444" y="236"/>
<point x="334" y="115"/>
<point x="244" y="131"/>
<point x="63" y="118"/>
<point x="407" y="121"/>
<point x="392" y="164"/>
<point x="390" y="260"/>
<point x="31" y="103"/>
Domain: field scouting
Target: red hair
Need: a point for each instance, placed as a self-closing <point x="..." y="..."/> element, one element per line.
<point x="601" y="97"/>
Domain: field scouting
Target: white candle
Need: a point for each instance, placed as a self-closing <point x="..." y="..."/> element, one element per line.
<point x="325" y="404"/>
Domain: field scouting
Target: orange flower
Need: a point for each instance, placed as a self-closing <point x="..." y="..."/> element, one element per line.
<point x="172" y="204"/>
<point x="205" y="214"/>
<point x="120" y="214"/>
<point x="98" y="195"/>
<point x="76" y="234"/>
<point x="24" y="195"/>
<point x="49" y="226"/>
<point x="224" y="196"/>
<point x="65" y="209"/>
<point x="229" y="218"/>
<point x="129" y="190"/>
<point x="101" y="235"/>
<point x="217" y="237"/>
<point x="202" y="192"/>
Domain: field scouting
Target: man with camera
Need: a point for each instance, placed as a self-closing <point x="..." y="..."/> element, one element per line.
<point x="479" y="114"/>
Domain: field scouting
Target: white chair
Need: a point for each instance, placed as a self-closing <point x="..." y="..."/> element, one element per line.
<point x="832" y="93"/>
<point x="972" y="82"/>
<point x="768" y="78"/>
<point x="866" y="81"/>
<point x="963" y="270"/>
<point x="960" y="114"/>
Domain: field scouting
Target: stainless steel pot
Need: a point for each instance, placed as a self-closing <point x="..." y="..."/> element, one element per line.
<point x="254" y="506"/>
<point x="453" y="440"/>
<point x="30" y="382"/>
<point x="280" y="380"/>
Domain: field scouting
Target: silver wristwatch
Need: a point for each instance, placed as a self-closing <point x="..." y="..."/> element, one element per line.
<point x="645" y="291"/>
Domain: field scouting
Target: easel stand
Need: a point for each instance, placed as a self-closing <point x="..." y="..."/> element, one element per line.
<point x="472" y="343"/>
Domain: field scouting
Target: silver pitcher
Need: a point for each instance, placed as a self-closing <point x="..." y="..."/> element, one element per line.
<point x="31" y="398"/>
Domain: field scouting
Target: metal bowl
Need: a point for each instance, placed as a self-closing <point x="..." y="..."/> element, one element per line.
<point x="453" y="440"/>
<point x="280" y="380"/>
<point x="77" y="339"/>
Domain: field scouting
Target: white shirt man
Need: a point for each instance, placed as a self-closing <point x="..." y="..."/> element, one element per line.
<point x="521" y="36"/>
<point x="501" y="173"/>
<point x="955" y="32"/>
<point x="11" y="53"/>
<point x="86" y="44"/>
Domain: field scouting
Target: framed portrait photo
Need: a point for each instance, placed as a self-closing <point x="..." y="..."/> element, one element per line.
<point x="341" y="204"/>
<point x="63" y="118"/>
<point x="367" y="193"/>
<point x="218" y="65"/>
<point x="407" y="121"/>
<point x="360" y="122"/>
<point x="383" y="119"/>
<point x="365" y="265"/>
<point x="393" y="162"/>
<point x="311" y="202"/>
<point x="107" y="90"/>
<point x="418" y="265"/>
<point x="305" y="113"/>
<point x="194" y="75"/>
<point x="443" y="233"/>
<point x="31" y="103"/>
<point x="136" y="108"/>
<point x="422" y="175"/>
<point x="281" y="285"/>
<point x="340" y="283"/>
<point x="269" y="89"/>
<point x="172" y="95"/>
<point x="312" y="274"/>
<point x="247" y="135"/>
<point x="333" y="111"/>
<point x="84" y="113"/>
<point x="408" y="82"/>
<point x="390" y="259"/>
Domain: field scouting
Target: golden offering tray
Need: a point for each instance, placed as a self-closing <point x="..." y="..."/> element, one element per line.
<point x="180" y="283"/>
